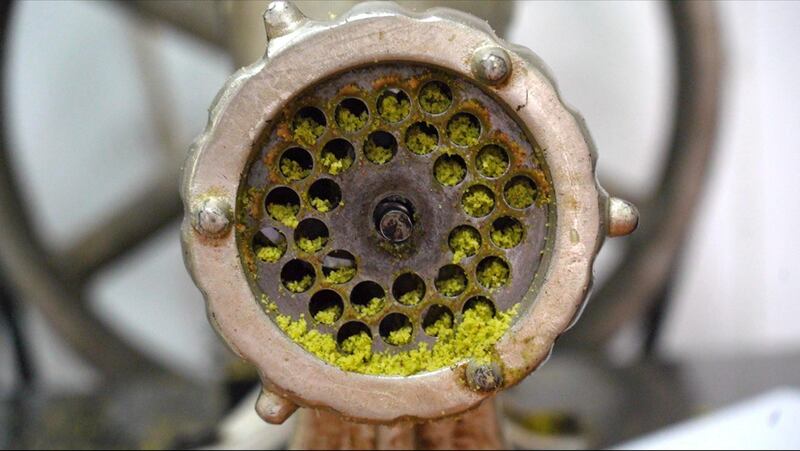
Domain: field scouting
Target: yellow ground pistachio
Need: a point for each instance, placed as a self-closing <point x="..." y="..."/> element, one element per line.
<point x="394" y="110"/>
<point x="507" y="235"/>
<point x="372" y="308"/>
<point x="335" y="165"/>
<point x="444" y="323"/>
<point x="311" y="245"/>
<point x="328" y="315"/>
<point x="478" y="201"/>
<point x="464" y="242"/>
<point x="492" y="161"/>
<point x="412" y="297"/>
<point x="377" y="154"/>
<point x="307" y="130"/>
<point x="269" y="254"/>
<point x="521" y="194"/>
<point x="400" y="336"/>
<point x="293" y="170"/>
<point x="493" y="274"/>
<point x="350" y="122"/>
<point x="420" y="142"/>
<point x="321" y="205"/>
<point x="452" y="286"/>
<point x="341" y="275"/>
<point x="449" y="171"/>
<point x="473" y="338"/>
<point x="286" y="214"/>
<point x="299" y="286"/>
<point x="463" y="131"/>
<point x="433" y="100"/>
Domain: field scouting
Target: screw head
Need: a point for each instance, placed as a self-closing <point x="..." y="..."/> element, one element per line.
<point x="484" y="377"/>
<point x="213" y="217"/>
<point x="491" y="65"/>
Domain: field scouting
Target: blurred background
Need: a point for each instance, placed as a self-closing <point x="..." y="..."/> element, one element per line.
<point x="103" y="336"/>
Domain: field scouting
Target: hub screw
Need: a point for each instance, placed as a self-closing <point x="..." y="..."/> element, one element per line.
<point x="394" y="218"/>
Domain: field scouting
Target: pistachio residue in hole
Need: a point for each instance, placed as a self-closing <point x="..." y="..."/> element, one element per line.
<point x="355" y="340"/>
<point x="474" y="338"/>
<point x="450" y="170"/>
<point x="300" y="285"/>
<point x="451" y="280"/>
<point x="308" y="125"/>
<point x="337" y="156"/>
<point x="297" y="276"/>
<point x="520" y="192"/>
<point x="312" y="245"/>
<point x="409" y="289"/>
<point x="329" y="315"/>
<point x="396" y="329"/>
<point x="481" y="305"/>
<point x="464" y="129"/>
<point x="269" y="245"/>
<point x="492" y="161"/>
<point x="493" y="272"/>
<point x="339" y="267"/>
<point x="283" y="205"/>
<point x="435" y="97"/>
<point x="296" y="164"/>
<point x="311" y="235"/>
<point x="478" y="201"/>
<point x="412" y="297"/>
<point x="326" y="307"/>
<point x="438" y="320"/>
<point x="352" y="115"/>
<point x="368" y="299"/>
<point x="422" y="138"/>
<point x="464" y="241"/>
<point x="324" y="195"/>
<point x="506" y="232"/>
<point x="393" y="105"/>
<point x="286" y="214"/>
<point x="371" y="308"/>
<point x="380" y="147"/>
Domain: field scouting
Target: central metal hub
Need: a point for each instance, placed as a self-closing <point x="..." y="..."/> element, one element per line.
<point x="394" y="218"/>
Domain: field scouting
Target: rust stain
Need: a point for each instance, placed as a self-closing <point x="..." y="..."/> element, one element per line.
<point x="385" y="81"/>
<point x="350" y="90"/>
<point x="283" y="131"/>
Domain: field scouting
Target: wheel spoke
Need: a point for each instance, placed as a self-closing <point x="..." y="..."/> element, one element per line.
<point x="124" y="230"/>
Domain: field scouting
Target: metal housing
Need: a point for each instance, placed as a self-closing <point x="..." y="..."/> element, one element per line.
<point x="300" y="53"/>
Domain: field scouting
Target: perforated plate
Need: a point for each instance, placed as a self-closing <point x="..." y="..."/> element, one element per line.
<point x="437" y="209"/>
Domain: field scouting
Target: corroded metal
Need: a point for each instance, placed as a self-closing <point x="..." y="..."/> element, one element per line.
<point x="366" y="187"/>
<point x="251" y="104"/>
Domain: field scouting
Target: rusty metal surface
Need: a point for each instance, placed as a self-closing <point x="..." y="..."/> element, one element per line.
<point x="311" y="52"/>
<point x="437" y="208"/>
